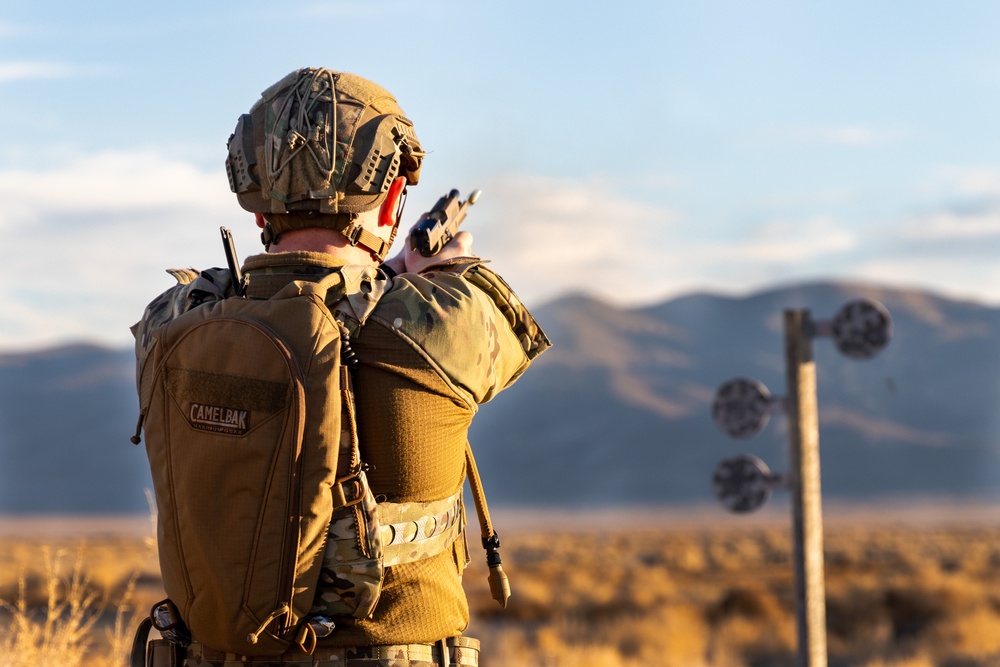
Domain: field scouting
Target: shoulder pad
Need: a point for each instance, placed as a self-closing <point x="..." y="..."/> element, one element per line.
<point x="533" y="340"/>
<point x="209" y="285"/>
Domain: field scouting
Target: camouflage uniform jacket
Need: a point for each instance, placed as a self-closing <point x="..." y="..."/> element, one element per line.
<point x="435" y="346"/>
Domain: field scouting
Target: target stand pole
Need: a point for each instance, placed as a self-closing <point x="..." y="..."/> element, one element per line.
<point x="804" y="478"/>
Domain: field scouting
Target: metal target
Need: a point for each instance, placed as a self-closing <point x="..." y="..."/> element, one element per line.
<point x="741" y="407"/>
<point x="742" y="483"/>
<point x="861" y="329"/>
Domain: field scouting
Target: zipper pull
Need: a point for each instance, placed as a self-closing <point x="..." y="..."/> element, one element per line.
<point x="137" y="438"/>
<point x="277" y="613"/>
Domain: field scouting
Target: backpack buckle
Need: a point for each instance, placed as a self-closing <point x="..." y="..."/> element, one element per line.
<point x="350" y="490"/>
<point x="167" y="620"/>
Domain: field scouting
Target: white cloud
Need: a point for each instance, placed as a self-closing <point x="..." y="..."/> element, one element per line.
<point x="30" y="70"/>
<point x="785" y="241"/>
<point x="962" y="206"/>
<point x="943" y="225"/>
<point x="954" y="275"/>
<point x="838" y="135"/>
<point x="108" y="183"/>
<point x="552" y="236"/>
<point x="88" y="240"/>
<point x="93" y="238"/>
<point x="555" y="235"/>
<point x="972" y="180"/>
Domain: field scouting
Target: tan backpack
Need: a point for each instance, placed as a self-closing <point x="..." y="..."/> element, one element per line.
<point x="241" y="403"/>
<point x="248" y="413"/>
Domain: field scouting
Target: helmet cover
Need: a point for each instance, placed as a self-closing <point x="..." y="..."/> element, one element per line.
<point x="324" y="142"/>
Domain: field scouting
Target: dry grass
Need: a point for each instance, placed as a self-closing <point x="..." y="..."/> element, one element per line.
<point x="69" y="602"/>
<point x="898" y="596"/>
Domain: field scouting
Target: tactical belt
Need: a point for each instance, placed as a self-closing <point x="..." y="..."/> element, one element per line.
<point x="413" y="531"/>
<point x="461" y="652"/>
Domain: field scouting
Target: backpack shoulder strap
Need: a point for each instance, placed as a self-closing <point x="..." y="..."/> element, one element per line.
<point x="329" y="288"/>
<point x="364" y="287"/>
<point x="351" y="292"/>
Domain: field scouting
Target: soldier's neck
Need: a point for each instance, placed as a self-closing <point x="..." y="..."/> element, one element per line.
<point x="317" y="239"/>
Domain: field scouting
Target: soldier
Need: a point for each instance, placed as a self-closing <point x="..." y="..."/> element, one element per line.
<point x="323" y="160"/>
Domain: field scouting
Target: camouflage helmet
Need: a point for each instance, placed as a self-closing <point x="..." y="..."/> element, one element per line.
<point x="317" y="149"/>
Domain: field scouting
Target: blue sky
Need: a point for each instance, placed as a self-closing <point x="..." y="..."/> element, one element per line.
<point x="638" y="154"/>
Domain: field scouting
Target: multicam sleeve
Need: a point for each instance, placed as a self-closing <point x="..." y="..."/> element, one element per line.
<point x="193" y="288"/>
<point x="533" y="340"/>
<point x="467" y="323"/>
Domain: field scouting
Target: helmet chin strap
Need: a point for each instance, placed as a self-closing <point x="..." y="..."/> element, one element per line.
<point x="268" y="236"/>
<point x="355" y="233"/>
<point x="389" y="215"/>
<point x="352" y="226"/>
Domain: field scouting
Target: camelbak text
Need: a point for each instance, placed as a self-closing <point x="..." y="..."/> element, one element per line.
<point x="219" y="419"/>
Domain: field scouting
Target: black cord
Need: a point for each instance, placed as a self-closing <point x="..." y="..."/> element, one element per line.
<point x="348" y="356"/>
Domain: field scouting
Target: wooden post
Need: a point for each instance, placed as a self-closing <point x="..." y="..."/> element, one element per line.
<point x="804" y="478"/>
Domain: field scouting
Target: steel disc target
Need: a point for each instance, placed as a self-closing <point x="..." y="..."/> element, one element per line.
<point x="861" y="329"/>
<point x="741" y="407"/>
<point x="742" y="483"/>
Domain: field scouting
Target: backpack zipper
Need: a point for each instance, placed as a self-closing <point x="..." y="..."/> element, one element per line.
<point x="286" y="577"/>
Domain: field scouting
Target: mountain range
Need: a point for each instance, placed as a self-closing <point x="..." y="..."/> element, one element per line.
<point x="617" y="413"/>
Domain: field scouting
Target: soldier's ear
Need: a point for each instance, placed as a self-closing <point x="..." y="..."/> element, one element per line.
<point x="392" y="208"/>
<point x="261" y="222"/>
